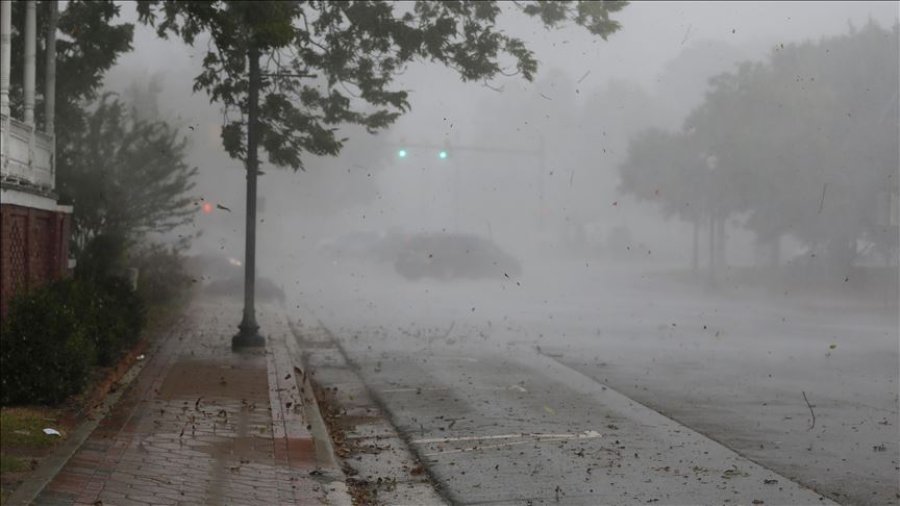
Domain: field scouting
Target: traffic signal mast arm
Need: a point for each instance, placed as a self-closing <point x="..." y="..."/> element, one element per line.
<point x="404" y="150"/>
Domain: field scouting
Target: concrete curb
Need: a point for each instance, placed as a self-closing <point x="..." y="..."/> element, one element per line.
<point x="438" y="494"/>
<point x="338" y="493"/>
<point x="394" y="459"/>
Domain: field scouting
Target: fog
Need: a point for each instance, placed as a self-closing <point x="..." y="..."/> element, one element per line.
<point x="559" y="141"/>
<point x="573" y="215"/>
<point x="533" y="168"/>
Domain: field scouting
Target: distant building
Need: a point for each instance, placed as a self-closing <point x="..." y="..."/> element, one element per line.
<point x="34" y="237"/>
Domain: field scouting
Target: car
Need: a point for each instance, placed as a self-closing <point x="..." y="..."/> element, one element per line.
<point x="450" y="256"/>
<point x="353" y="245"/>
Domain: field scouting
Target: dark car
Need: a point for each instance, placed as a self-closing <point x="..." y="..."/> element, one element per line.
<point x="451" y="256"/>
<point x="353" y="245"/>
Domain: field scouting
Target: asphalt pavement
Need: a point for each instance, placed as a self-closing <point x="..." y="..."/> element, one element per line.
<point x="557" y="391"/>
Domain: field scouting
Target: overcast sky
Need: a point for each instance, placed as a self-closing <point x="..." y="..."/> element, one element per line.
<point x="652" y="33"/>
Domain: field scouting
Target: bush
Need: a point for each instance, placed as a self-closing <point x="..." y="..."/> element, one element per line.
<point x="46" y="353"/>
<point x="114" y="314"/>
<point x="54" y="336"/>
<point x="106" y="305"/>
<point x="161" y="275"/>
<point x="104" y="256"/>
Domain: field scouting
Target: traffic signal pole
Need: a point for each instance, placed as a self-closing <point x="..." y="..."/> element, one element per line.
<point x="443" y="153"/>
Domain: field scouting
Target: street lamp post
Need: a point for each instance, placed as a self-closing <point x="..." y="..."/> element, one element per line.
<point x="248" y="334"/>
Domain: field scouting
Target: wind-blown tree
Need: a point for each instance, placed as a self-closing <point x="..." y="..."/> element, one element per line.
<point x="852" y="160"/>
<point x="129" y="176"/>
<point x="667" y="169"/>
<point x="736" y="129"/>
<point x="808" y="143"/>
<point x="327" y="64"/>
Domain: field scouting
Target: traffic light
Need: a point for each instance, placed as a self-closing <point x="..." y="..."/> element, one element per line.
<point x="401" y="153"/>
<point x="442" y="154"/>
<point x="207" y="207"/>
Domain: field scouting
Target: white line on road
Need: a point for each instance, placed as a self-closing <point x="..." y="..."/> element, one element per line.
<point x="588" y="434"/>
<point x="531" y="438"/>
<point x="399" y="390"/>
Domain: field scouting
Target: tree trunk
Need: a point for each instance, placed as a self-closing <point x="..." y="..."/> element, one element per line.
<point x="695" y="252"/>
<point x="842" y="253"/>
<point x="712" y="249"/>
<point x="720" y="244"/>
<point x="775" y="252"/>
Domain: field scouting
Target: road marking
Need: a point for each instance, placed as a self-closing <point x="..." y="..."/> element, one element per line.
<point x="588" y="434"/>
<point x="406" y="389"/>
<point x="455" y="357"/>
<point x="511" y="441"/>
<point x="401" y="390"/>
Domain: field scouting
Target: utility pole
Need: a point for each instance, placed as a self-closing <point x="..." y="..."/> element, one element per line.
<point x="248" y="335"/>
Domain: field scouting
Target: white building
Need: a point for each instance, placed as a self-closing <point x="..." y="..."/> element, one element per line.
<point x="35" y="228"/>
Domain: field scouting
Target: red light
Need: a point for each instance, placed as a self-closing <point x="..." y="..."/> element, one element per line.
<point x="207" y="208"/>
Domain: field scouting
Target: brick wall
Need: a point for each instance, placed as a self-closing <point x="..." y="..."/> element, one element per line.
<point x="34" y="249"/>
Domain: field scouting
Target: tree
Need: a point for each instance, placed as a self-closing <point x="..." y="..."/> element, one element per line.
<point x="808" y="141"/>
<point x="667" y="168"/>
<point x="857" y="77"/>
<point x="684" y="80"/>
<point x="806" y="144"/>
<point x="332" y="63"/>
<point x="128" y="176"/>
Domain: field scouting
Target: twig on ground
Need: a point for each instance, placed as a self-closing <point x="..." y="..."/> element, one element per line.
<point x="447" y="334"/>
<point x="813" y="413"/>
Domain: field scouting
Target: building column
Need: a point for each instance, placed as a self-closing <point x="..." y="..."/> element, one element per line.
<point x="5" y="43"/>
<point x="30" y="56"/>
<point x="50" y="91"/>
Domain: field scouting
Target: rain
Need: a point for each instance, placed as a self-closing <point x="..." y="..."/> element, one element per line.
<point x="665" y="270"/>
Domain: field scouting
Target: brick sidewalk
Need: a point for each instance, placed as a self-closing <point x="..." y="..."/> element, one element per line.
<point x="204" y="425"/>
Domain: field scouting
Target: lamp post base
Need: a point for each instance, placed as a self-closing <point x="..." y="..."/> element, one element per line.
<point x="248" y="337"/>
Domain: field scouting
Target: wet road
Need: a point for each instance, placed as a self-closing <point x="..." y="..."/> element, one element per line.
<point x="515" y="396"/>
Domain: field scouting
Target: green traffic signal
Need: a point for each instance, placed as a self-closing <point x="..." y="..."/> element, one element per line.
<point x="442" y="155"/>
<point x="402" y="153"/>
